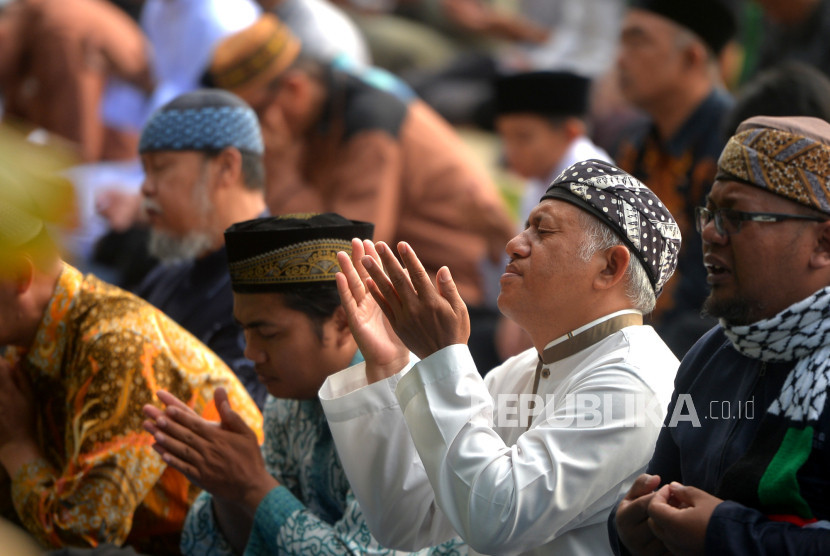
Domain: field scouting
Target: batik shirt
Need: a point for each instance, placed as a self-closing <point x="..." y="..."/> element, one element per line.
<point x="680" y="170"/>
<point x="313" y="511"/>
<point x="99" y="355"/>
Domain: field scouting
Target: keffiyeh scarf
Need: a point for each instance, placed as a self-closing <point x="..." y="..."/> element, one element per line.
<point x="765" y="477"/>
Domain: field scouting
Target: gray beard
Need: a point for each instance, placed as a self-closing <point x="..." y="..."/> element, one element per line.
<point x="171" y="250"/>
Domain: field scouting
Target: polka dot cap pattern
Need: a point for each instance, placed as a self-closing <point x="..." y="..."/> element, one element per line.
<point x="630" y="208"/>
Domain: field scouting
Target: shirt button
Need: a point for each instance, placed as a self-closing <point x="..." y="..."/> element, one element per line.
<point x="545" y="373"/>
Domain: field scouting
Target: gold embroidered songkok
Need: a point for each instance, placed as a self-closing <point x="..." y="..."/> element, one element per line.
<point x="278" y="253"/>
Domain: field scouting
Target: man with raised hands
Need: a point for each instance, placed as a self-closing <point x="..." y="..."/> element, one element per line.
<point x="531" y="458"/>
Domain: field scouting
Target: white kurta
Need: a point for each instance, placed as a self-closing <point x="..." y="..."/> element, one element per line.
<point x="437" y="449"/>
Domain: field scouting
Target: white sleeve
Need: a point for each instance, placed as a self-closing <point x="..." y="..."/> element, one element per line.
<point x="380" y="460"/>
<point x="565" y="472"/>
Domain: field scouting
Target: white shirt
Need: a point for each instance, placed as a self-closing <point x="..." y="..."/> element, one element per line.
<point x="437" y="449"/>
<point x="583" y="38"/>
<point x="183" y="34"/>
<point x="325" y="31"/>
<point x="582" y="148"/>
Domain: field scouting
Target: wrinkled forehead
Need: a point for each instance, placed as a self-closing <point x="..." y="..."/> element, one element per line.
<point x="555" y="209"/>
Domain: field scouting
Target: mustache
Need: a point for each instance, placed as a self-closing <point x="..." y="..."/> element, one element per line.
<point x="151" y="205"/>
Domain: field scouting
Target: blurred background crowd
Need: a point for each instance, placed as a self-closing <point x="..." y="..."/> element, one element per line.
<point x="529" y="85"/>
<point x="441" y="122"/>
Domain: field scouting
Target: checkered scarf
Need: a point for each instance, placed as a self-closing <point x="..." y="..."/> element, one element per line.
<point x="766" y="476"/>
<point x="801" y="332"/>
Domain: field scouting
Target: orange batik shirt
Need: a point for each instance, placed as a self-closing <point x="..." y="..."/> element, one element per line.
<point x="100" y="354"/>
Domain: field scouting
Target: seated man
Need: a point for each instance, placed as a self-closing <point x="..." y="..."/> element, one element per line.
<point x="746" y="471"/>
<point x="532" y="457"/>
<point x="293" y="497"/>
<point x="81" y="358"/>
<point x="667" y="67"/>
<point x="541" y="121"/>
<point x="333" y="142"/>
<point x="202" y="158"/>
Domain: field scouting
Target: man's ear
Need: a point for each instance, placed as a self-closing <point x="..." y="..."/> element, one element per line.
<point x="695" y="54"/>
<point x="820" y="257"/>
<point x="574" y="127"/>
<point x="229" y="166"/>
<point x="614" y="262"/>
<point x="341" y="326"/>
<point x="294" y="87"/>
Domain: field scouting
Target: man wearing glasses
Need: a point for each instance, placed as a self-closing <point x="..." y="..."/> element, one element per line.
<point x="747" y="470"/>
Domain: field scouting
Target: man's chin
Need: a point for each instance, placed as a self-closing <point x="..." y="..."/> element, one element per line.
<point x="170" y="249"/>
<point x="732" y="310"/>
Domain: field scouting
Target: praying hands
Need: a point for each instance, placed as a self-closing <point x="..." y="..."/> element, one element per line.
<point x="223" y="458"/>
<point x="425" y="317"/>
<point x="671" y="520"/>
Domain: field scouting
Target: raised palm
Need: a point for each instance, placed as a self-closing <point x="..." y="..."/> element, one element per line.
<point x="383" y="351"/>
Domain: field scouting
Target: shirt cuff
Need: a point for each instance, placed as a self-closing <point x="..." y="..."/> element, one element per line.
<point x="450" y="362"/>
<point x="276" y="508"/>
<point x="347" y="394"/>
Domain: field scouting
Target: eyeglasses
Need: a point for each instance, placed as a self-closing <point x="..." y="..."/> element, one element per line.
<point x="728" y="221"/>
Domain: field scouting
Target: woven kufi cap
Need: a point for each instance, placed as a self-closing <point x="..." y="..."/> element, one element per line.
<point x="203" y="120"/>
<point x="788" y="156"/>
<point x="252" y="58"/>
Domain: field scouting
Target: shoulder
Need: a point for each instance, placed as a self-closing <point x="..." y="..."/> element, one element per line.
<point x="631" y="141"/>
<point x="713" y="348"/>
<point x="514" y="369"/>
<point x="111" y="320"/>
<point x="640" y="353"/>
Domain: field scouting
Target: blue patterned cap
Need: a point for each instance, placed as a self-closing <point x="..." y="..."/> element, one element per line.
<point x="203" y="120"/>
<point x="629" y="208"/>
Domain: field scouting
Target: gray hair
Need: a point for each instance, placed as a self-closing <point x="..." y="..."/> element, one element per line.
<point x="599" y="237"/>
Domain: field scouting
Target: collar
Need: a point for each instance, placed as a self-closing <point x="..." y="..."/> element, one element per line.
<point x="46" y="353"/>
<point x="589" y="334"/>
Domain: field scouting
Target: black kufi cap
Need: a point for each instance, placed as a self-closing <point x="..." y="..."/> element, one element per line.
<point x="547" y="93"/>
<point x="278" y="253"/>
<point x="711" y="20"/>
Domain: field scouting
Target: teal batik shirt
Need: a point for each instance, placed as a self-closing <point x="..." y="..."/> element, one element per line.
<point x="313" y="511"/>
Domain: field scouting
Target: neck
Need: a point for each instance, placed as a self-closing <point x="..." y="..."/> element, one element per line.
<point x="544" y="334"/>
<point x="246" y="204"/>
<point x="670" y="112"/>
